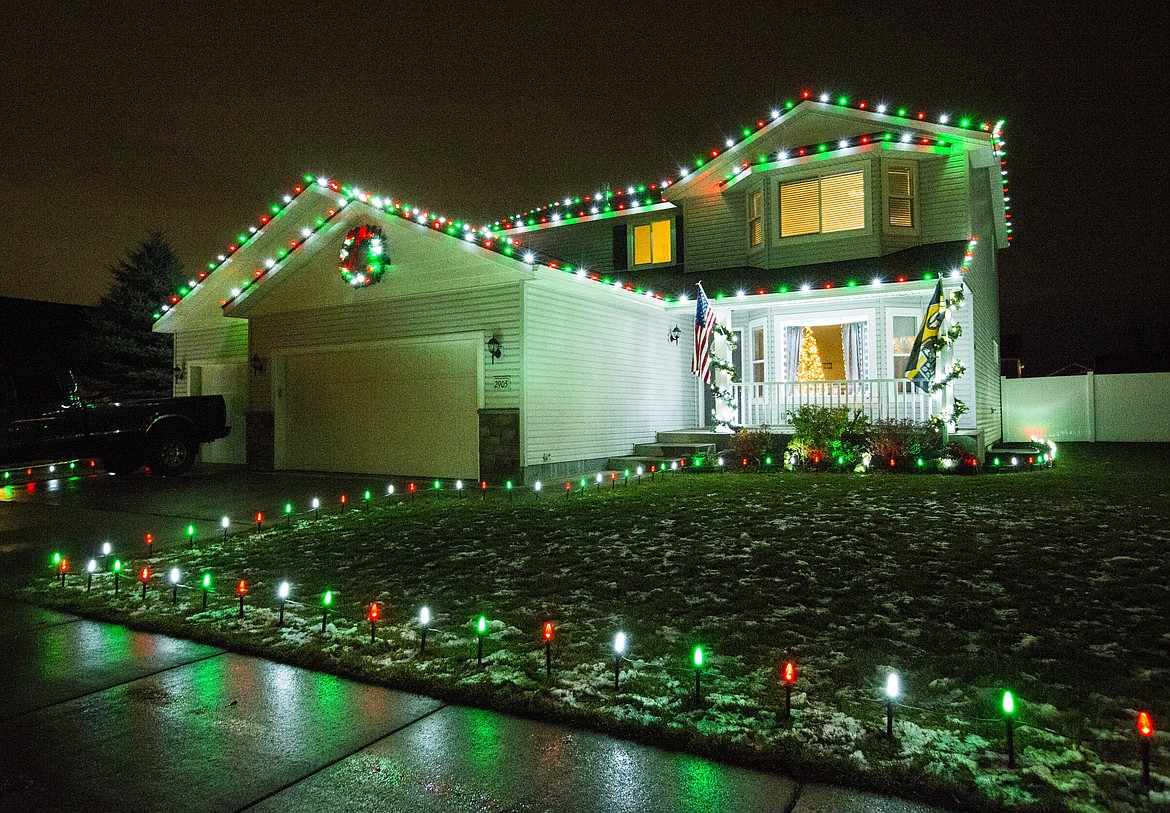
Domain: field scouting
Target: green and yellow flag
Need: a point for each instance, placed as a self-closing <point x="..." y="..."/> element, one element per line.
<point x="924" y="356"/>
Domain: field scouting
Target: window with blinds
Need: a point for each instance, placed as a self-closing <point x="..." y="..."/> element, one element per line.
<point x="652" y="243"/>
<point x="823" y="205"/>
<point x="900" y="197"/>
<point x="755" y="219"/>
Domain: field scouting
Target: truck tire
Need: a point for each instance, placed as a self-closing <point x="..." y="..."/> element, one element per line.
<point x="171" y="453"/>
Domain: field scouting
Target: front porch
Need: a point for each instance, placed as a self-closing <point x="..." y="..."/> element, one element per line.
<point x="770" y="403"/>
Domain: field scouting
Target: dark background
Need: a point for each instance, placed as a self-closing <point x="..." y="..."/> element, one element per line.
<point x="115" y="122"/>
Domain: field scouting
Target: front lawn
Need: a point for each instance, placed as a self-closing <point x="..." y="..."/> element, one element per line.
<point x="1053" y="584"/>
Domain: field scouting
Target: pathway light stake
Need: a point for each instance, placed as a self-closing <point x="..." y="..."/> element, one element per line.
<point x="389" y="493"/>
<point x="374" y="615"/>
<point x="893" y="689"/>
<point x="412" y="488"/>
<point x="719" y="462"/>
<point x="568" y="489"/>
<point x="480" y="629"/>
<point x="149" y="545"/>
<point x="638" y="472"/>
<point x="619" y="648"/>
<point x="612" y="480"/>
<point x="1009" y="714"/>
<point x="282" y="594"/>
<point x="548" y="636"/>
<point x="106" y="549"/>
<point x="508" y="488"/>
<point x="326" y="600"/>
<point x="225" y="523"/>
<point x="343" y="503"/>
<point x="316" y="505"/>
<point x="288" y="511"/>
<point x="144" y="575"/>
<point x="366" y="499"/>
<point x="259" y="522"/>
<point x="63" y="568"/>
<point x="536" y="489"/>
<point x="653" y="469"/>
<point x="483" y="489"/>
<point x="190" y="537"/>
<point x="117" y="574"/>
<point x="789" y="679"/>
<point x="90" y="567"/>
<point x="438" y="489"/>
<point x="1145" y="727"/>
<point x="698" y="659"/>
<point x="459" y="487"/>
<point x="424" y="621"/>
<point x="241" y="591"/>
<point x="206" y="588"/>
<point x="583" y="486"/>
<point x="174" y="577"/>
<point x="598" y="481"/>
<point x="626" y="477"/>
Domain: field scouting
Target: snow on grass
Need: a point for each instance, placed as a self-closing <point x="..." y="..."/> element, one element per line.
<point x="1052" y="584"/>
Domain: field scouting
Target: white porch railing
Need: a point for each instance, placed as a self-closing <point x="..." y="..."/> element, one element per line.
<point x="769" y="403"/>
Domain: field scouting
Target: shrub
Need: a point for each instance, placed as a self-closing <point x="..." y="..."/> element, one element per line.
<point x="827" y="436"/>
<point x="754" y="445"/>
<point x="903" y="441"/>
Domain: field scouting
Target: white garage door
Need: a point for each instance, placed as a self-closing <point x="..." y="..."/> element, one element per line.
<point x="230" y="381"/>
<point x="408" y="408"/>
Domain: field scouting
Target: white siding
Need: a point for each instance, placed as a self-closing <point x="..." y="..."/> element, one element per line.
<point x="600" y="373"/>
<point x="226" y="342"/>
<point x="494" y="311"/>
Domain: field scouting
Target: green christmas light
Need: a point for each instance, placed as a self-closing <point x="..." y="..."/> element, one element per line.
<point x="698" y="657"/>
<point x="327" y="599"/>
<point x="481" y="626"/>
<point x="1009" y="703"/>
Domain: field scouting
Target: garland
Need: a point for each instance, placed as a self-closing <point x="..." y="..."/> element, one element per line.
<point x="722" y="395"/>
<point x="950" y="418"/>
<point x="362" y="256"/>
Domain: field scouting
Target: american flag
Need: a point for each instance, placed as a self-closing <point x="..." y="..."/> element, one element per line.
<point x="704" y="328"/>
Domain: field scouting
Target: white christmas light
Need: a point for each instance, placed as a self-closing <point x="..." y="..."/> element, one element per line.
<point x="536" y="486"/>
<point x="599" y="477"/>
<point x="639" y="471"/>
<point x="740" y="294"/>
<point x="224" y="523"/>
<point x="174" y="575"/>
<point x="268" y="263"/>
<point x="424" y="616"/>
<point x="91" y="565"/>
<point x="824" y="97"/>
<point x="944" y="118"/>
<point x="458" y="485"/>
<point x="806" y="287"/>
<point x="881" y="108"/>
<point x="843" y="143"/>
<point x="905" y="138"/>
<point x="775" y="114"/>
<point x="619" y="643"/>
<point x="316" y="503"/>
<point x="287" y="199"/>
<point x="731" y="142"/>
<point x="306" y="231"/>
<point x="529" y="258"/>
<point x="323" y="181"/>
<point x="106" y="549"/>
<point x="282" y="590"/>
<point x="877" y="280"/>
<point x="893" y="689"/>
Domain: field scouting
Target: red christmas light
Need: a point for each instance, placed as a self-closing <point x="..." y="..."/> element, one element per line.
<point x="412" y="487"/>
<point x="144" y="574"/>
<point x="375" y="612"/>
<point x="548" y="630"/>
<point x="790" y="672"/>
<point x="1145" y="724"/>
<point x="241" y="587"/>
<point x="259" y="517"/>
<point x="64" y="565"/>
<point x="150" y="539"/>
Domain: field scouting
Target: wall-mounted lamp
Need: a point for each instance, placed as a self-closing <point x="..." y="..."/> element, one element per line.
<point x="259" y="364"/>
<point x="493" y="348"/>
<point x="179" y="372"/>
<point x="673" y="334"/>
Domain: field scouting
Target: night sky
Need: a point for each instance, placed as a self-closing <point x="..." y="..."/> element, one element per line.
<point x="114" y="124"/>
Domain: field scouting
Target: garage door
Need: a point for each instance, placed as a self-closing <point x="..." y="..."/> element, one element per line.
<point x="409" y="408"/>
<point x="230" y="381"/>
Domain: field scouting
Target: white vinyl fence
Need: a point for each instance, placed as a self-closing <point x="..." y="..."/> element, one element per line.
<point x="1117" y="408"/>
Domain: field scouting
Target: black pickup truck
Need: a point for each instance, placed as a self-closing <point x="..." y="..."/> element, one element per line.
<point x="43" y="419"/>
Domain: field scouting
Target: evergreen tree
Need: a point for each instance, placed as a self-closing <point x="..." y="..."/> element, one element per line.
<point x="128" y="360"/>
<point x="811" y="368"/>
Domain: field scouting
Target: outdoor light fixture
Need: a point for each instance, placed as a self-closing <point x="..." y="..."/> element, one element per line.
<point x="698" y="661"/>
<point x="374" y="614"/>
<point x="106" y="549"/>
<point x="117" y="574"/>
<point x="241" y="590"/>
<point x="673" y="334"/>
<point x="480" y="629"/>
<point x="282" y="594"/>
<point x="493" y="348"/>
<point x="1145" y="727"/>
<point x="619" y="648"/>
<point x="190" y="537"/>
<point x="90" y="567"/>
<point x="206" y="588"/>
<point x="326" y="600"/>
<point x="174" y="579"/>
<point x="548" y="636"/>
<point x="1009" y="712"/>
<point x="424" y="621"/>
<point x="225" y="523"/>
<point x="789" y="677"/>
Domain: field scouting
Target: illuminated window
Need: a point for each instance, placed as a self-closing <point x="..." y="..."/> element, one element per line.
<point x="823" y="205"/>
<point x="755" y="218"/>
<point x="652" y="243"/>
<point x="900" y="197"/>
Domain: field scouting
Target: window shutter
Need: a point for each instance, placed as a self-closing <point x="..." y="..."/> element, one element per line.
<point x="843" y="202"/>
<point x="678" y="240"/>
<point x="799" y="208"/>
<point x="621" y="249"/>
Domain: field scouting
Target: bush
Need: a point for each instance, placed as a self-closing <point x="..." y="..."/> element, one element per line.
<point x="827" y="436"/>
<point x="903" y="441"/>
<point x="754" y="446"/>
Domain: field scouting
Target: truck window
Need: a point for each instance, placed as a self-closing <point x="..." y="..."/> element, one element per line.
<point x="37" y="388"/>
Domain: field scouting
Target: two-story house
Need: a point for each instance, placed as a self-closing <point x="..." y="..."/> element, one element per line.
<point x="548" y="342"/>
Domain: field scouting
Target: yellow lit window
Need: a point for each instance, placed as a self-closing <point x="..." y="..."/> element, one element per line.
<point x="652" y="243"/>
<point x="755" y="219"/>
<point x="900" y="197"/>
<point x="823" y="205"/>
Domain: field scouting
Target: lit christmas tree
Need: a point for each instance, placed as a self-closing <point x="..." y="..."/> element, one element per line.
<point x="810" y="367"/>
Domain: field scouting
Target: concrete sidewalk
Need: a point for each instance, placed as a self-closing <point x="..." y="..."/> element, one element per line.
<point x="103" y="717"/>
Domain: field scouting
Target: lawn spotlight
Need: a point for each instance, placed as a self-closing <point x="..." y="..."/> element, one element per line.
<point x="90" y="567"/>
<point x="480" y="629"/>
<point x="241" y="591"/>
<point x="326" y="600"/>
<point x="424" y="621"/>
<point x="698" y="661"/>
<point x="144" y="577"/>
<point x="548" y="636"/>
<point x="1009" y="714"/>
<point x="225" y="523"/>
<point x="190" y="537"/>
<point x="282" y="594"/>
<point x="1145" y="727"/>
<point x="206" y="588"/>
<point x="174" y="578"/>
<point x="619" y="648"/>
<point x="374" y="614"/>
<point x="789" y="678"/>
<point x="893" y="689"/>
<point x="117" y="574"/>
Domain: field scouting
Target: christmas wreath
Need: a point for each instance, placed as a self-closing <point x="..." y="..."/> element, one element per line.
<point x="363" y="256"/>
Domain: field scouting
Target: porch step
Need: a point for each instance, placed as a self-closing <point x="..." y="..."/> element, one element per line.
<point x="666" y="451"/>
<point x="721" y="440"/>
